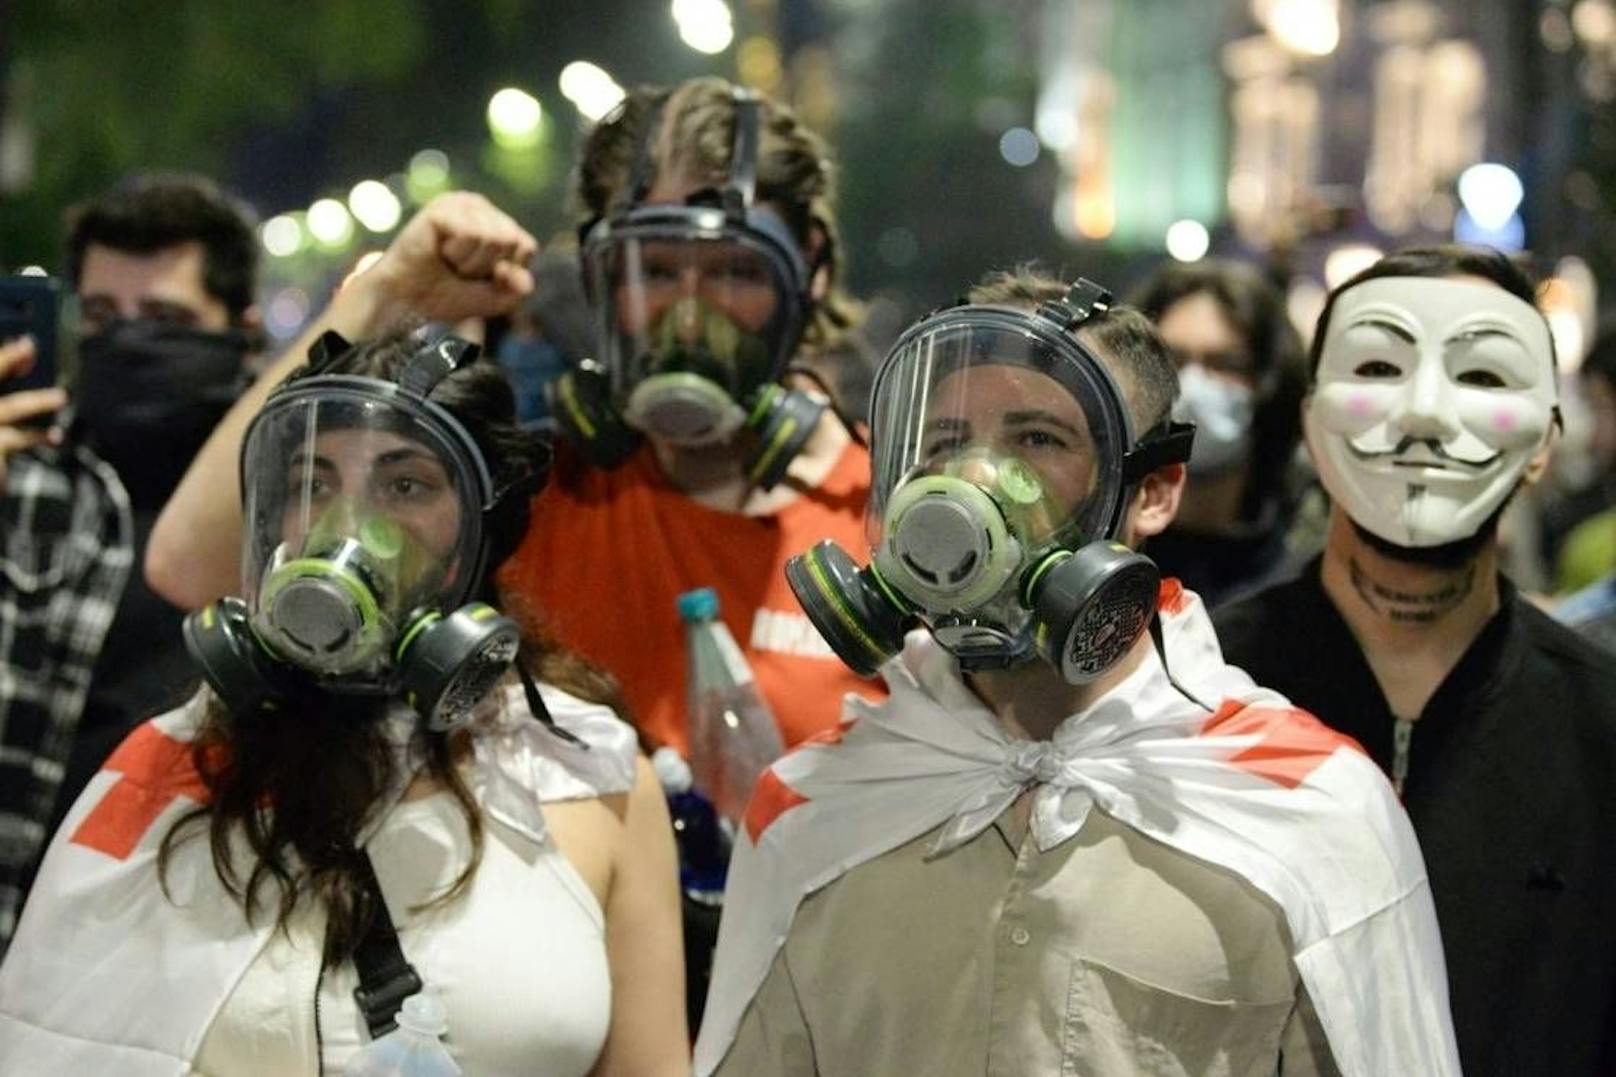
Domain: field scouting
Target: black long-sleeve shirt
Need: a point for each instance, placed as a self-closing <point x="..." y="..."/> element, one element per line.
<point x="1511" y="787"/>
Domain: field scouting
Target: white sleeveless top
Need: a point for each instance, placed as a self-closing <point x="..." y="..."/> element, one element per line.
<point x="519" y="958"/>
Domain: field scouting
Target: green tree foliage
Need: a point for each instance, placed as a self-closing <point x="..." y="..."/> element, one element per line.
<point x="109" y="87"/>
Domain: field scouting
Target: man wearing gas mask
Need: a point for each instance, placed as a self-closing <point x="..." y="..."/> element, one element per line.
<point x="164" y="267"/>
<point x="694" y="453"/>
<point x="1074" y="839"/>
<point x="1433" y="401"/>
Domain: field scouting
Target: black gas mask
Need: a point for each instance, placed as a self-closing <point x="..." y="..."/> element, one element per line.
<point x="700" y="306"/>
<point x="366" y="508"/>
<point x="1004" y="458"/>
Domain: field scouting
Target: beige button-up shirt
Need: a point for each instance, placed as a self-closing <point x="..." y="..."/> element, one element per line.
<point x="1109" y="955"/>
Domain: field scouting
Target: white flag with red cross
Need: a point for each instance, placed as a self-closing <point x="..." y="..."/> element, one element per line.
<point x="112" y="973"/>
<point x="1255" y="786"/>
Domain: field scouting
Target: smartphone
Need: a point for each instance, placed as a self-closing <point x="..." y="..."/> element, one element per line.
<point x="31" y="307"/>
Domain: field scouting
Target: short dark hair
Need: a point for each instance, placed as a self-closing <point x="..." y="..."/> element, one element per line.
<point x="1255" y="308"/>
<point x="1443" y="260"/>
<point x="1124" y="338"/>
<point x="152" y="211"/>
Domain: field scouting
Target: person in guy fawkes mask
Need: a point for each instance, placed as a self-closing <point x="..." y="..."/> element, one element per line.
<point x="1433" y="401"/>
<point x="1074" y="838"/>
<point x="164" y="267"/>
<point x="694" y="450"/>
<point x="1241" y="380"/>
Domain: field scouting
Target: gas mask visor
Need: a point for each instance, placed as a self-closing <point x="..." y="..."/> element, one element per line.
<point x="699" y="309"/>
<point x="997" y="439"/>
<point x="363" y="512"/>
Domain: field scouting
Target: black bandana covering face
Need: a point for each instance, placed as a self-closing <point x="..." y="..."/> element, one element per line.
<point x="149" y="394"/>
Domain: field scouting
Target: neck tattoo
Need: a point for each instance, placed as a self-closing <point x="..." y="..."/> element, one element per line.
<point x="1410" y="607"/>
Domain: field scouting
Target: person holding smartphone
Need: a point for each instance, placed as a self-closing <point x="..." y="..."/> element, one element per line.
<point x="164" y="268"/>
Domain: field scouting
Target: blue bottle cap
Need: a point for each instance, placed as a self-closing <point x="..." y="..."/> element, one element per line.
<point x="698" y="605"/>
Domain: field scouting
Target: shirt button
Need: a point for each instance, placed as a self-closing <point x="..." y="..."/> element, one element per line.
<point x="1020" y="936"/>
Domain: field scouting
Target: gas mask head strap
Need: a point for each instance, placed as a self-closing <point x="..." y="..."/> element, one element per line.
<point x="1167" y="442"/>
<point x="435" y="361"/>
<point x="741" y="187"/>
<point x="643" y="172"/>
<point x="1083" y="300"/>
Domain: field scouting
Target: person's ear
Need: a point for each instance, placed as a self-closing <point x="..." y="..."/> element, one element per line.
<point x="1538" y="466"/>
<point x="1155" y="503"/>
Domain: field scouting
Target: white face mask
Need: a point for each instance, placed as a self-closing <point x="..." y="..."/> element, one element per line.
<point x="1431" y="398"/>
<point x="1222" y="411"/>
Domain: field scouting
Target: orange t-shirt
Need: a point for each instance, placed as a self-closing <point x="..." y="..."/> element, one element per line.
<point x="608" y="552"/>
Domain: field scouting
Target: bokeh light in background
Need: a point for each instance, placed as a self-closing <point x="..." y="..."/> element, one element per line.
<point x="329" y="223"/>
<point x="1342" y="263"/>
<point x="1490" y="193"/>
<point x="591" y="90"/>
<point x="375" y="206"/>
<point x="1188" y="241"/>
<point x="1019" y="147"/>
<point x="705" y="25"/>
<point x="1307" y="27"/>
<point x="427" y="175"/>
<point x="515" y="118"/>
<point x="282" y="235"/>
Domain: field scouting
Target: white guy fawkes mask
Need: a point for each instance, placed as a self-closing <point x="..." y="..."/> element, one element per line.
<point x="1431" y="397"/>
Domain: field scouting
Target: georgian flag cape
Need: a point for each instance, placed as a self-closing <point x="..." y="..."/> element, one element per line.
<point x="1257" y="787"/>
<point x="106" y="975"/>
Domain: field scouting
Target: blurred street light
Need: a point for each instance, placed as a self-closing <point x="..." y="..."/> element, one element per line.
<point x="1188" y="241"/>
<point x="1019" y="147"/>
<point x="705" y="25"/>
<point x="1594" y="21"/>
<point x="514" y="118"/>
<point x="282" y="235"/>
<point x="374" y="206"/>
<point x="428" y="175"/>
<point x="1490" y="193"/>
<point x="1347" y="260"/>
<point x="591" y="90"/>
<point x="329" y="223"/>
<point x="1307" y="27"/>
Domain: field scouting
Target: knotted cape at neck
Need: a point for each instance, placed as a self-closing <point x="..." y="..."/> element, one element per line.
<point x="1255" y="786"/>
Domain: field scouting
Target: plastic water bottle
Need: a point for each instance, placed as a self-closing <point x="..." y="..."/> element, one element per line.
<point x="732" y="733"/>
<point x="413" y="1049"/>
<point x="704" y="839"/>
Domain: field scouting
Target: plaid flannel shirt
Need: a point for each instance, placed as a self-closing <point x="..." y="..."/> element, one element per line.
<point x="66" y="548"/>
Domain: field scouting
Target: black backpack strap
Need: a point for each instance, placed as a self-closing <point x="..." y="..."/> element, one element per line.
<point x="386" y="978"/>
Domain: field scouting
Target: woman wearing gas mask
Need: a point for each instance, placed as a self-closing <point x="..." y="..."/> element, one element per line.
<point x="1074" y="839"/>
<point x="694" y="454"/>
<point x="385" y="787"/>
<point x="1241" y="381"/>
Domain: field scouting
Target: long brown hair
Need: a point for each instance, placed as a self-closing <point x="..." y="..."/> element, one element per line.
<point x="301" y="782"/>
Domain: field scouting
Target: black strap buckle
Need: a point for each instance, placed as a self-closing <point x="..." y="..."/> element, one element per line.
<point x="380" y="1003"/>
<point x="1167" y="442"/>
<point x="386" y="977"/>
